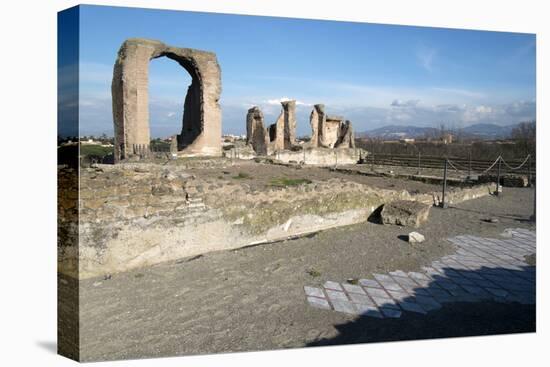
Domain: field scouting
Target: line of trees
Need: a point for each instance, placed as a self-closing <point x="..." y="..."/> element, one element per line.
<point x="521" y="143"/>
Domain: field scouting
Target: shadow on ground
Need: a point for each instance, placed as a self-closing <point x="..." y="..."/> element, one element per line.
<point x="466" y="309"/>
<point x="48" y="345"/>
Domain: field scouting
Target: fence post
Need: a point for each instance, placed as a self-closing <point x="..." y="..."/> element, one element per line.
<point x="418" y="173"/>
<point x="498" y="176"/>
<point x="443" y="203"/>
<point x="372" y="162"/>
<point x="530" y="183"/>
<point x="534" y="216"/>
<point x="470" y="165"/>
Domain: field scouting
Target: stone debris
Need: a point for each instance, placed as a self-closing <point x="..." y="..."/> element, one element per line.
<point x="405" y="213"/>
<point x="508" y="180"/>
<point x="415" y="237"/>
<point x="515" y="181"/>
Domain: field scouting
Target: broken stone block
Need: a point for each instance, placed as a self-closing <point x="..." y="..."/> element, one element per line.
<point x="405" y="213"/>
<point x="515" y="181"/>
<point x="415" y="237"/>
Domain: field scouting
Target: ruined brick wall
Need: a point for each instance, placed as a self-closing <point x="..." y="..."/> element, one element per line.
<point x="330" y="131"/>
<point x="201" y="125"/>
<point x="135" y="215"/>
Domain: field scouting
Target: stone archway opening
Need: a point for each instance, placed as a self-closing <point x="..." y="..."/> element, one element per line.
<point x="201" y="124"/>
<point x="181" y="117"/>
<point x="168" y="84"/>
<point x="192" y="123"/>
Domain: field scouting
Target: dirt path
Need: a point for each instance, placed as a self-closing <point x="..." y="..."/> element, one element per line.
<point x="253" y="298"/>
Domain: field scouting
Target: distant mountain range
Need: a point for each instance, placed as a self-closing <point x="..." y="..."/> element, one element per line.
<point x="479" y="131"/>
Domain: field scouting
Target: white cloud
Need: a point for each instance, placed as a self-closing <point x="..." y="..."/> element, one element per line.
<point x="426" y="58"/>
<point x="409" y="103"/>
<point x="460" y="92"/>
<point x="483" y="109"/>
<point x="96" y="115"/>
<point x="277" y="101"/>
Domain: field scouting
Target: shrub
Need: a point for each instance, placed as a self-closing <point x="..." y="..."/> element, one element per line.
<point x="241" y="175"/>
<point x="284" y="181"/>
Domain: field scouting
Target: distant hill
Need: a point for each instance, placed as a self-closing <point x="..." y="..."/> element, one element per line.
<point x="479" y="131"/>
<point x="392" y="132"/>
<point x="489" y="131"/>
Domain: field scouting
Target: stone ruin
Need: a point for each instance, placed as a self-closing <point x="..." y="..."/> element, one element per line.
<point x="279" y="136"/>
<point x="201" y="126"/>
<point x="327" y="131"/>
<point x="330" y="131"/>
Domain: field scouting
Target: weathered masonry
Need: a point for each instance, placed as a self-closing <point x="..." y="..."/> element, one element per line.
<point x="201" y="125"/>
<point x="330" y="131"/>
<point x="327" y="131"/>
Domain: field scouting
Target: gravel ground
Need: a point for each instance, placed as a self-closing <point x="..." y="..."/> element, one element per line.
<point x="253" y="298"/>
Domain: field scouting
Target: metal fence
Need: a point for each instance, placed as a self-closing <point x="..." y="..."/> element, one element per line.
<point x="470" y="166"/>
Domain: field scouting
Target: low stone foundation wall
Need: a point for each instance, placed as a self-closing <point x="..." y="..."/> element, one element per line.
<point x="507" y="180"/>
<point x="321" y="156"/>
<point x="138" y="215"/>
<point x="307" y="155"/>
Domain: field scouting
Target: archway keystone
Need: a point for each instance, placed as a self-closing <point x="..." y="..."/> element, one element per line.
<point x="201" y="125"/>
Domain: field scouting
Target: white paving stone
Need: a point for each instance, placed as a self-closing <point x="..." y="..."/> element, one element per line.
<point x="344" y="306"/>
<point x="411" y="307"/>
<point x="335" y="295"/>
<point x="352" y="288"/>
<point x="481" y="268"/>
<point x="319" y="303"/>
<point x="376" y="292"/>
<point x="368" y="310"/>
<point x="332" y="285"/>
<point x="312" y="291"/>
<point x="369" y="283"/>
<point x="390" y="312"/>
<point x="360" y="298"/>
<point x="399" y="296"/>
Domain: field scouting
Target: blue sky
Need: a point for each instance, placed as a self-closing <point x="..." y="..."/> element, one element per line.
<point x="373" y="74"/>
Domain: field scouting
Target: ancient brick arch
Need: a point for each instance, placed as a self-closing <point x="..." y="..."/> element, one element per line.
<point x="201" y="125"/>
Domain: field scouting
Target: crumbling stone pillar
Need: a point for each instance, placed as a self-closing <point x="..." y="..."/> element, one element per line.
<point x="282" y="134"/>
<point x="346" y="137"/>
<point x="256" y="134"/>
<point x="201" y="125"/>
<point x="317" y="120"/>
<point x="289" y="113"/>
